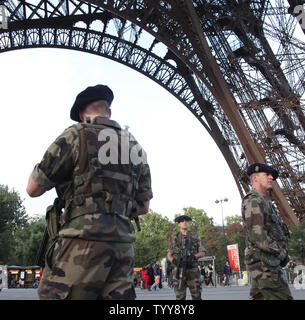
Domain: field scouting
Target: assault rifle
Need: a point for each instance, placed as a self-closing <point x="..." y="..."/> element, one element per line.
<point x="184" y="260"/>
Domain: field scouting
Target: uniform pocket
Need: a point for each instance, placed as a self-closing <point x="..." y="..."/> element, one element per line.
<point x="52" y="290"/>
<point x="53" y="285"/>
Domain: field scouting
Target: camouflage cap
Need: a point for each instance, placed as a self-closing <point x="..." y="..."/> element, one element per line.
<point x="183" y="218"/>
<point x="91" y="94"/>
<point x="261" y="167"/>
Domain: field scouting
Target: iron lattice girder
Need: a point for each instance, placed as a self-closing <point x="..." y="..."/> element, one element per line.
<point x="61" y="32"/>
<point x="251" y="70"/>
<point x="140" y="59"/>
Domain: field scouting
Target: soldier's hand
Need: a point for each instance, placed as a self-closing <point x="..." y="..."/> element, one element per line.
<point x="283" y="254"/>
<point x="285" y="261"/>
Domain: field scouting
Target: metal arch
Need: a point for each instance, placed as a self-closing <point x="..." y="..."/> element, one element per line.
<point x="190" y="91"/>
<point x="111" y="47"/>
<point x="199" y="33"/>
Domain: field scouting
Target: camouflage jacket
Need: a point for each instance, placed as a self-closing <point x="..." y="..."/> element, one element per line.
<point x="266" y="233"/>
<point x="96" y="195"/>
<point x="177" y="244"/>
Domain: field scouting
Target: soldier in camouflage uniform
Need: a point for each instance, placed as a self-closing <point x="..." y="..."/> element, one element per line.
<point x="191" y="277"/>
<point x="266" y="237"/>
<point x="101" y="175"/>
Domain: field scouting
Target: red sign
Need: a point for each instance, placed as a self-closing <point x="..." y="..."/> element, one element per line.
<point x="233" y="257"/>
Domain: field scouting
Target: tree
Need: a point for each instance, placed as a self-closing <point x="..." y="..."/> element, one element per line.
<point x="234" y="219"/>
<point x="215" y="243"/>
<point x="12" y="216"/>
<point x="27" y="241"/>
<point x="151" y="244"/>
<point x="236" y="234"/>
<point x="297" y="242"/>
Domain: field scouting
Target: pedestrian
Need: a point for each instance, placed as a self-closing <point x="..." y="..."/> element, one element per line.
<point x="284" y="271"/>
<point x="155" y="286"/>
<point x="202" y="273"/>
<point x="157" y="275"/>
<point x="209" y="278"/>
<point x="161" y="278"/>
<point x="11" y="281"/>
<point x="292" y="265"/>
<point x="227" y="271"/>
<point x="35" y="284"/>
<point x="185" y="250"/>
<point x="266" y="237"/>
<point x="151" y="277"/>
<point x="102" y="180"/>
<point x="40" y="273"/>
<point x="170" y="280"/>
<point x="144" y="278"/>
<point x="135" y="282"/>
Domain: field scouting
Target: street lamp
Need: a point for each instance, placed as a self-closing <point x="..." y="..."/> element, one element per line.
<point x="223" y="226"/>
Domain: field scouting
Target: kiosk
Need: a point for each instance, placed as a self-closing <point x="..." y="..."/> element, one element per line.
<point x="209" y="259"/>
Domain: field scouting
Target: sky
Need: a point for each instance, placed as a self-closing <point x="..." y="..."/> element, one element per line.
<point x="38" y="88"/>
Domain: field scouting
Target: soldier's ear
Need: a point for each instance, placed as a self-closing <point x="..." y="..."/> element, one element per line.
<point x="81" y="117"/>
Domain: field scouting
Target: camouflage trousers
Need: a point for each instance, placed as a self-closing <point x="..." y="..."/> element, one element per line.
<point x="78" y="269"/>
<point x="190" y="280"/>
<point x="268" y="283"/>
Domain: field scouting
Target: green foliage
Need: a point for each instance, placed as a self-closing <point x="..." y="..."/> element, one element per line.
<point x="151" y="244"/>
<point x="215" y="245"/>
<point x="297" y="242"/>
<point x="27" y="242"/>
<point x="234" y="219"/>
<point x="12" y="217"/>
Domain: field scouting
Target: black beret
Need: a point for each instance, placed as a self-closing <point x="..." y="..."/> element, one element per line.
<point x="91" y="94"/>
<point x="261" y="167"/>
<point x="182" y="218"/>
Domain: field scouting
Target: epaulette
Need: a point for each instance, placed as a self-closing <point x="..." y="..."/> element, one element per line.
<point x="251" y="193"/>
<point x="246" y="196"/>
<point x="78" y="126"/>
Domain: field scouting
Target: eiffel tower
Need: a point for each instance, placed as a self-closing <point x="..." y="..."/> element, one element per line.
<point x="238" y="66"/>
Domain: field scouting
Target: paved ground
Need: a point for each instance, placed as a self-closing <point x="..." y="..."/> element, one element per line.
<point x="219" y="293"/>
